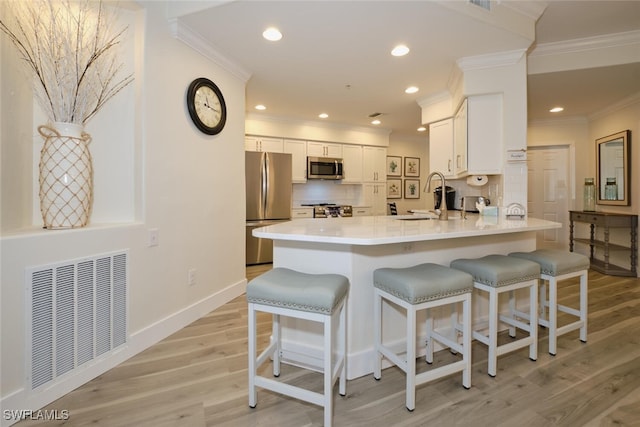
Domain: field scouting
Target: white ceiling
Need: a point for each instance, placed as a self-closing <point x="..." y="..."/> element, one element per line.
<point x="335" y="55"/>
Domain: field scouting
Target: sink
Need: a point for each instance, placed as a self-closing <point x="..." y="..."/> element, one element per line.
<point x="414" y="217"/>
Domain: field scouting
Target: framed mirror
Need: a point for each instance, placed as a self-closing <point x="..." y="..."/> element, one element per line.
<point x="613" y="169"/>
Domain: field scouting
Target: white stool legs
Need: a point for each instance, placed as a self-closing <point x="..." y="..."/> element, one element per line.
<point x="549" y="318"/>
<point x="333" y="369"/>
<point x="408" y="363"/>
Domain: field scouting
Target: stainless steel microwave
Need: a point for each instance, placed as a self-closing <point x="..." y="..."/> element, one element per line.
<point x="324" y="168"/>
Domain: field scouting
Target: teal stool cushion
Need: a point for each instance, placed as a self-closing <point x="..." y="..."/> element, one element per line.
<point x="281" y="287"/>
<point x="498" y="270"/>
<point x="421" y="283"/>
<point x="555" y="262"/>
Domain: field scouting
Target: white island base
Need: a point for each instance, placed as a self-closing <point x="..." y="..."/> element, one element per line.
<point x="317" y="247"/>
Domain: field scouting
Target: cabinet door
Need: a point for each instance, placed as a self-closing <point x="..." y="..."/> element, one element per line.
<point x="298" y="151"/>
<point x="374" y="164"/>
<point x="323" y="149"/>
<point x="441" y="147"/>
<point x="484" y="130"/>
<point x="460" y="140"/>
<point x="271" y="145"/>
<point x="375" y="196"/>
<point x="352" y="156"/>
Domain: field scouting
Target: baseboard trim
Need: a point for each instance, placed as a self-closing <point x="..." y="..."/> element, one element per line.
<point x="140" y="340"/>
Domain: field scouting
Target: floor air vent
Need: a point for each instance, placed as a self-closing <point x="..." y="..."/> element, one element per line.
<point x="76" y="312"/>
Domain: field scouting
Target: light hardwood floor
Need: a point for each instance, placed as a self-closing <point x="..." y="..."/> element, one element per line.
<point x="198" y="377"/>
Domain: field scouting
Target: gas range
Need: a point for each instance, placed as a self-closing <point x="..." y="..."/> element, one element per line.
<point x="331" y="210"/>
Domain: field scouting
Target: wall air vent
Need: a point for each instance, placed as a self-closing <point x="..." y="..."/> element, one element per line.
<point x="485" y="4"/>
<point x="76" y="312"/>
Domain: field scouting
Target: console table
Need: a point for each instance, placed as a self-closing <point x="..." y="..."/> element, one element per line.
<point x="606" y="221"/>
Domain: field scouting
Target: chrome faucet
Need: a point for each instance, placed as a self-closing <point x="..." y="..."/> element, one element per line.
<point x="443" y="215"/>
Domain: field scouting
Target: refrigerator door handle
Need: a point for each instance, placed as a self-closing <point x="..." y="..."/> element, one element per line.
<point x="264" y="184"/>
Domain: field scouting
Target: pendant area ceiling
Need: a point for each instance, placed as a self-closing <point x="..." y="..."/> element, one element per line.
<point x="335" y="56"/>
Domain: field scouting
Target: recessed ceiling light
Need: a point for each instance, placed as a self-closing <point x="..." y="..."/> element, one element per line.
<point x="400" y="50"/>
<point x="422" y="129"/>
<point x="411" y="89"/>
<point x="375" y="122"/>
<point x="272" y="34"/>
<point x="323" y="115"/>
<point x="556" y="109"/>
<point x="260" y="107"/>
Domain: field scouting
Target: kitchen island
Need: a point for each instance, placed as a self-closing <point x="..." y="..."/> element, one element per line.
<point x="355" y="247"/>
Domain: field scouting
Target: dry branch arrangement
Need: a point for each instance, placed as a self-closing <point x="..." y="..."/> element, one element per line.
<point x="71" y="47"/>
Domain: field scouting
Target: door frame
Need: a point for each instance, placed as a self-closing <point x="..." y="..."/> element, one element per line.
<point x="570" y="146"/>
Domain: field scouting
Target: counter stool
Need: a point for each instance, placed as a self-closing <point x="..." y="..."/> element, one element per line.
<point x="316" y="297"/>
<point x="557" y="265"/>
<point x="416" y="288"/>
<point x="496" y="274"/>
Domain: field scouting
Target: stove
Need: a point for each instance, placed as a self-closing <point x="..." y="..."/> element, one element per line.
<point x="331" y="210"/>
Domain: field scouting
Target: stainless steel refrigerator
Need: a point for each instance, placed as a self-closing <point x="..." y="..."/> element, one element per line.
<point x="268" y="187"/>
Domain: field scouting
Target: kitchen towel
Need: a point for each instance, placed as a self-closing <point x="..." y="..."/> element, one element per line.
<point x="477" y="180"/>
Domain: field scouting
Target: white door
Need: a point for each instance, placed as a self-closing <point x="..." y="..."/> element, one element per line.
<point x="549" y="191"/>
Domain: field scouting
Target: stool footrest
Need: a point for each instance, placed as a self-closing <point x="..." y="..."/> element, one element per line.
<point x="447" y="342"/>
<point x="514" y="322"/>
<point x="290" y="390"/>
<point x="266" y="354"/>
<point x="512" y="346"/>
<point x="442" y="371"/>
<point x="393" y="357"/>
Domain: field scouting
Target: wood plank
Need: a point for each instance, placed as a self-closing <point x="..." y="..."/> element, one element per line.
<point x="198" y="377"/>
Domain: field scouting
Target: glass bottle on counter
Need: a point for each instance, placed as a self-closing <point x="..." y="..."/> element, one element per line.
<point x="611" y="189"/>
<point x="589" y="202"/>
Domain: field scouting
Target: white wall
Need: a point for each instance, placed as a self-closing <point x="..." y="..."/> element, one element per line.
<point x="188" y="185"/>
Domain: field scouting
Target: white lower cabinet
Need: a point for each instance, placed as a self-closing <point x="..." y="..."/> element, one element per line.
<point x="375" y="196"/>
<point x="301" y="213"/>
<point x="361" y="211"/>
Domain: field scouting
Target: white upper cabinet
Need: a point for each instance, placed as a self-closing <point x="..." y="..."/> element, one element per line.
<point x="441" y="147"/>
<point x="271" y="145"/>
<point x="460" y="140"/>
<point x="374" y="164"/>
<point x="485" y="145"/>
<point x="324" y="149"/>
<point x="352" y="157"/>
<point x="298" y="151"/>
<point x="471" y="142"/>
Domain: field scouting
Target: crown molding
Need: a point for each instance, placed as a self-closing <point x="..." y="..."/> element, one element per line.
<point x="606" y="41"/>
<point x="624" y="103"/>
<point x="315" y="123"/>
<point x="436" y="98"/>
<point x="198" y="43"/>
<point x="562" y="121"/>
<point x="492" y="60"/>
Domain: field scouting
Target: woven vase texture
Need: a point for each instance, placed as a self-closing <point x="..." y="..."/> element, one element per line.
<point x="66" y="176"/>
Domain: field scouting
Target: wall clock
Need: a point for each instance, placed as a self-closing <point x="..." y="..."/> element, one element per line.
<point x="206" y="106"/>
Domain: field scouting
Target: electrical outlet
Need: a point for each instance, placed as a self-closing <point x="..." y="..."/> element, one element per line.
<point x="192" y="277"/>
<point x="154" y="237"/>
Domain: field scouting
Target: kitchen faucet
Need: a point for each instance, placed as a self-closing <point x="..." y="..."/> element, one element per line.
<point x="443" y="215"/>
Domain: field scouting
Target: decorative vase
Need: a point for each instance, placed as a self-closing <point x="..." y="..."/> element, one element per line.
<point x="66" y="176"/>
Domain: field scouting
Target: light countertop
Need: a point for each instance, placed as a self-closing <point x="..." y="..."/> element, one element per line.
<point x="377" y="230"/>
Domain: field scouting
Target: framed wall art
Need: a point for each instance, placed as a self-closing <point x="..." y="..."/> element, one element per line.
<point x="412" y="166"/>
<point x="411" y="188"/>
<point x="394" y="166"/>
<point x="394" y="189"/>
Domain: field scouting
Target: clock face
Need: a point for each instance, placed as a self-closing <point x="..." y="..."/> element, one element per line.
<point x="206" y="106"/>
